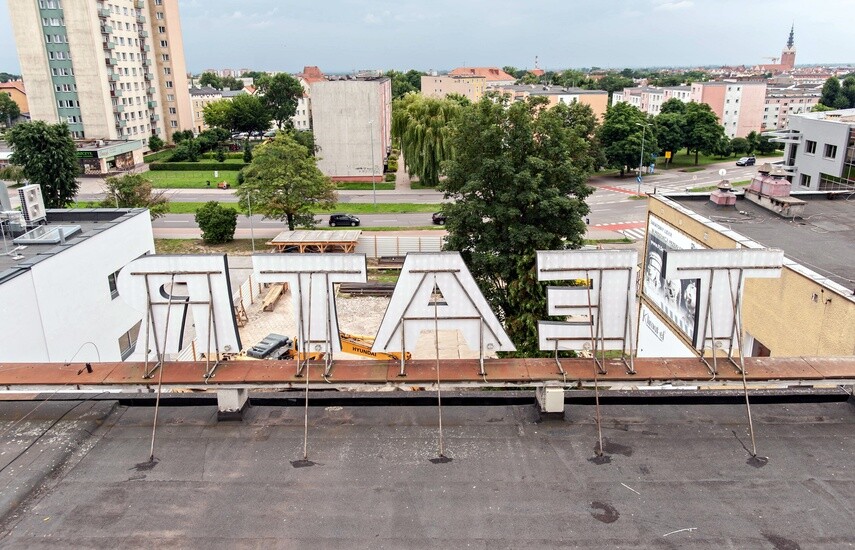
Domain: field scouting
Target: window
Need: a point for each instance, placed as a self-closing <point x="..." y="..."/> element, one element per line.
<point x="810" y="147"/>
<point x="164" y="56"/>
<point x="169" y="85"/>
<point x="161" y="30"/>
<point x="164" y="44"/>
<point x="128" y="340"/>
<point x="167" y="70"/>
<point x="159" y="16"/>
<point x="173" y="123"/>
<point x="830" y="151"/>
<point x="111" y="281"/>
<point x="804" y="181"/>
<point x="170" y="97"/>
<point x="172" y="111"/>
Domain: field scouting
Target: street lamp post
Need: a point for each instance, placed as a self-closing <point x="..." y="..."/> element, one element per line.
<point x="251" y="230"/>
<point x="373" y="166"/>
<point x="641" y="156"/>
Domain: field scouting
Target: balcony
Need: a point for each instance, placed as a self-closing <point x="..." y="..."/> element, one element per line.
<point x="143" y="34"/>
<point x="113" y="77"/>
<point x="152" y="104"/>
<point x="154" y="118"/>
<point x="119" y="108"/>
<point x="140" y="18"/>
<point x="106" y="29"/>
<point x="151" y="91"/>
<point x="146" y="48"/>
<point x="121" y="123"/>
<point x="147" y="62"/>
<point x="148" y="76"/>
<point x="139" y="4"/>
<point x="116" y="93"/>
<point x="103" y="13"/>
<point x="111" y="61"/>
<point x="109" y="45"/>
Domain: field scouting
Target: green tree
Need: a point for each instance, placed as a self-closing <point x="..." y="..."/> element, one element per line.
<point x="247" y="152"/>
<point x="134" y="191"/>
<point x="622" y="133"/>
<point x="611" y="83"/>
<point x="404" y="83"/>
<point x="212" y="80"/>
<point x="280" y="94"/>
<point x="155" y="143"/>
<point x="249" y="114"/>
<point x="670" y="128"/>
<point x="848" y="91"/>
<point x="12" y="172"/>
<point x="830" y="91"/>
<point x="703" y="132"/>
<point x="9" y="110"/>
<point x="672" y="105"/>
<point x="819" y="107"/>
<point x="518" y="185"/>
<point x="765" y="145"/>
<point x="254" y="75"/>
<point x="753" y="139"/>
<point x="721" y="148"/>
<point x="423" y="125"/>
<point x="305" y="138"/>
<point x="47" y="155"/>
<point x="739" y="146"/>
<point x="7" y="77"/>
<point x="284" y="183"/>
<point x="220" y="155"/>
<point x="232" y="83"/>
<point x="217" y="222"/>
<point x="218" y="114"/>
<point x="187" y="151"/>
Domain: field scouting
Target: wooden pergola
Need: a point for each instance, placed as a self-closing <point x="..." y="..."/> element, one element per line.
<point x="316" y="241"/>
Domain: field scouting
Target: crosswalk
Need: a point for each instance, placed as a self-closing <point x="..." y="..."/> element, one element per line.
<point x="634" y="234"/>
<point x="634" y="230"/>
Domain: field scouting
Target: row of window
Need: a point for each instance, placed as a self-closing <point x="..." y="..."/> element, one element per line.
<point x="829" y="152"/>
<point x="60" y="55"/>
<point x="49" y="4"/>
<point x="67" y="103"/>
<point x="65" y="87"/>
<point x="62" y="71"/>
<point x="74" y="119"/>
<point x="135" y="130"/>
<point x="56" y="39"/>
<point x="53" y="22"/>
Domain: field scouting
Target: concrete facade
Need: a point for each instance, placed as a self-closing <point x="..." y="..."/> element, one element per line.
<point x="352" y="124"/>
<point x="59" y="297"/>
<point x="649" y="99"/>
<point x="494" y="75"/>
<point x="781" y="103"/>
<point x="95" y="67"/>
<point x="199" y="98"/>
<point x="470" y="87"/>
<point x="820" y="149"/>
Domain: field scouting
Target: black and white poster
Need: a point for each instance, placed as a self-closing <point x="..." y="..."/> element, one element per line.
<point x="676" y="299"/>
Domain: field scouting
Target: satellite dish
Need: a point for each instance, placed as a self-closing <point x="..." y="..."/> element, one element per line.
<point x="722" y="172"/>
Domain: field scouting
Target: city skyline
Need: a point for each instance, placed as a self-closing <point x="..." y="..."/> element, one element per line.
<point x="406" y="34"/>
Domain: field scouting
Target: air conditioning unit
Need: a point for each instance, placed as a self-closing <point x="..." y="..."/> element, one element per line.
<point x="32" y="204"/>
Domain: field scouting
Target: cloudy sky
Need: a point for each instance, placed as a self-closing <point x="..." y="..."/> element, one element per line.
<point x="342" y="35"/>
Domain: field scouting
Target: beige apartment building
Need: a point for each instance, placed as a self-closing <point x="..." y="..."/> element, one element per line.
<point x="111" y="69"/>
<point x="441" y="86"/>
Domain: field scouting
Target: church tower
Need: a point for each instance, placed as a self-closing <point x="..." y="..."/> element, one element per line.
<point x="788" y="54"/>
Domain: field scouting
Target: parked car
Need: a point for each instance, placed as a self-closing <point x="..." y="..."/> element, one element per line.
<point x="746" y="161"/>
<point x="270" y="134"/>
<point x="438" y="218"/>
<point x="343" y="219"/>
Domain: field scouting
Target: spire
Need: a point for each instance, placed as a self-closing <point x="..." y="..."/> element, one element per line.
<point x="790" y="41"/>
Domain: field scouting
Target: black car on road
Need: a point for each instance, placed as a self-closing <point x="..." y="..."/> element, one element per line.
<point x="438" y="218"/>
<point x="746" y="161"/>
<point x="343" y="219"/>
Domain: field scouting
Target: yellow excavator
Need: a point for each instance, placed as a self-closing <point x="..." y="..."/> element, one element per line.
<point x="276" y="346"/>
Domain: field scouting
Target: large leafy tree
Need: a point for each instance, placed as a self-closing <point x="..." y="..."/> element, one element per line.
<point x="703" y="132"/>
<point x="672" y="105"/>
<point x="423" y="125"/>
<point x="621" y="136"/>
<point x="518" y="184"/>
<point x="218" y="114"/>
<point x="249" y="114"/>
<point x="9" y="110"/>
<point x="134" y="191"/>
<point x="217" y="222"/>
<point x="283" y="182"/>
<point x="212" y="80"/>
<point x="830" y="91"/>
<point x="404" y="83"/>
<point x="47" y="156"/>
<point x="670" y="131"/>
<point x="280" y="94"/>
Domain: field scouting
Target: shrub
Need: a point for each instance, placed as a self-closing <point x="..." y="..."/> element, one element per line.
<point x="193" y="166"/>
<point x="247" y="153"/>
<point x="155" y="143"/>
<point x="221" y="155"/>
<point x="393" y="166"/>
<point x="390" y="177"/>
<point x="187" y="151"/>
<point x="217" y="222"/>
<point x="240" y="177"/>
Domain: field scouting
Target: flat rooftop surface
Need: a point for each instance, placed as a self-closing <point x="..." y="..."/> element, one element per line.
<point x="678" y="477"/>
<point x="303" y="236"/>
<point x="823" y="241"/>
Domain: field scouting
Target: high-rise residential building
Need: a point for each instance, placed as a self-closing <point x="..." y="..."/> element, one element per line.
<point x="738" y="104"/>
<point x="111" y="69"/>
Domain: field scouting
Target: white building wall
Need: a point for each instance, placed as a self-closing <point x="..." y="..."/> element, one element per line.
<point x="823" y="132"/>
<point x="69" y="300"/>
<point x="730" y="118"/>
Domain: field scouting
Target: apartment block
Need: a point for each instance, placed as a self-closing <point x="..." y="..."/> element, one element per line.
<point x="737" y="104"/>
<point x="200" y="97"/>
<point x="352" y="121"/>
<point x="111" y="69"/>
<point x="598" y="100"/>
<point x="649" y="99"/>
<point x="441" y="86"/>
<point x="783" y="102"/>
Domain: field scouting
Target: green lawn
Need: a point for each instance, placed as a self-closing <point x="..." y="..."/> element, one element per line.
<point x="349" y="208"/>
<point x="189" y="180"/>
<point x="682" y="160"/>
<point x="364" y="186"/>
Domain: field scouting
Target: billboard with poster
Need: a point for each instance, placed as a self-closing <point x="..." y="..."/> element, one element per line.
<point x="675" y="299"/>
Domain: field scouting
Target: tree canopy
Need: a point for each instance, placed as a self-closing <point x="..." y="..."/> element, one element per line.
<point x="280" y="94"/>
<point x="220" y="82"/>
<point x="404" y="83"/>
<point x="423" y="124"/>
<point x="518" y="184"/>
<point x="217" y="222"/>
<point x="283" y="182"/>
<point x="243" y="113"/>
<point x="9" y="110"/>
<point x="47" y="156"/>
<point x="134" y="191"/>
<point x="703" y="132"/>
<point x="218" y="114"/>
<point x="622" y="133"/>
<point x="837" y="96"/>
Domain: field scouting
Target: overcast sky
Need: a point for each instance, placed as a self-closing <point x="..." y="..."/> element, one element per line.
<point x="342" y="35"/>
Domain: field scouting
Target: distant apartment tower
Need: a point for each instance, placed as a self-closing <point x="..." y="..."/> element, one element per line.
<point x="649" y="99"/>
<point x="737" y="104"/>
<point x="471" y="87"/>
<point x="352" y="122"/>
<point x="110" y="69"/>
<point x="781" y="103"/>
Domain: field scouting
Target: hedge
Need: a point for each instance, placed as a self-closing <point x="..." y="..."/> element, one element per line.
<point x="390" y="177"/>
<point x="163" y="154"/>
<point x="193" y="166"/>
<point x="228" y="155"/>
